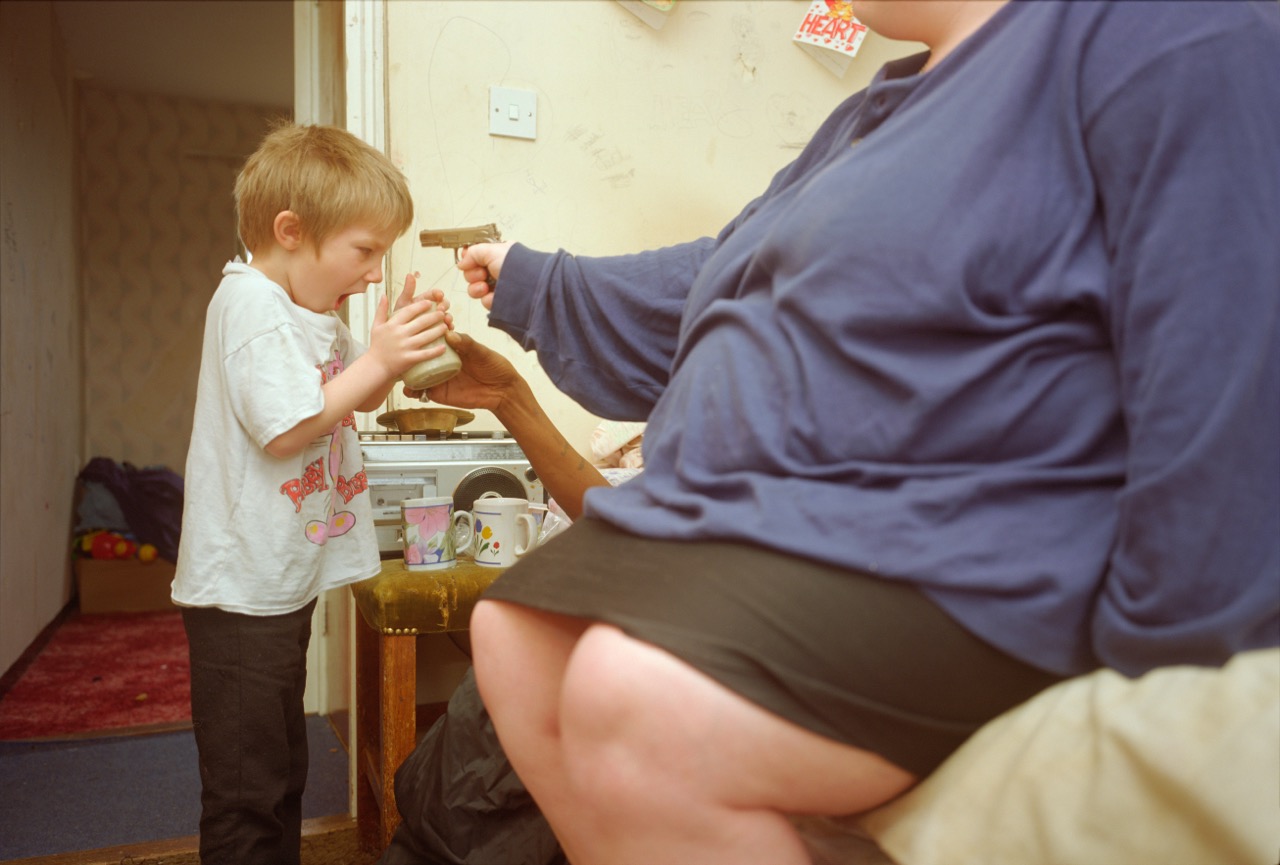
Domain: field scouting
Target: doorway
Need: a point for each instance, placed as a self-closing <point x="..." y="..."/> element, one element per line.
<point x="208" y="76"/>
<point x="170" y="70"/>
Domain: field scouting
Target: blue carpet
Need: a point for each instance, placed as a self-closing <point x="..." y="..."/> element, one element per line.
<point x="62" y="797"/>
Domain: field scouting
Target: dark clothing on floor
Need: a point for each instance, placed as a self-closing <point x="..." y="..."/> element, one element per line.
<point x="461" y="801"/>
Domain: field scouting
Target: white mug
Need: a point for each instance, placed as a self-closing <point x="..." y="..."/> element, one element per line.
<point x="433" y="532"/>
<point x="504" y="530"/>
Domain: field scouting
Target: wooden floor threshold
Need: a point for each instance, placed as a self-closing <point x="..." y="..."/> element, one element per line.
<point x="137" y="730"/>
<point x="171" y="847"/>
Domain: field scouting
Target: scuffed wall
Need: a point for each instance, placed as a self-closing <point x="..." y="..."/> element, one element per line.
<point x="40" y="420"/>
<point x="644" y="137"/>
<point x="158" y="223"/>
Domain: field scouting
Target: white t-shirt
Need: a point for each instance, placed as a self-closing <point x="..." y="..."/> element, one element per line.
<point x="261" y="535"/>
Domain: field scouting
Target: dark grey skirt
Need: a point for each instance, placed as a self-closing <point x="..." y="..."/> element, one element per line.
<point x="862" y="660"/>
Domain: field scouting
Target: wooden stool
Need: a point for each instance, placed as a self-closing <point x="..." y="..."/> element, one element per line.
<point x="395" y="607"/>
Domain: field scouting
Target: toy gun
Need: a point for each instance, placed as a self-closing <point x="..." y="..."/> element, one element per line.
<point x="457" y="238"/>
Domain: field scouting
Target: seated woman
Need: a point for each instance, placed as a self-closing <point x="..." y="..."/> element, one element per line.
<point x="926" y="435"/>
<point x="977" y="395"/>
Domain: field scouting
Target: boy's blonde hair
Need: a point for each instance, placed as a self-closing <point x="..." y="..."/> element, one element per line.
<point x="330" y="178"/>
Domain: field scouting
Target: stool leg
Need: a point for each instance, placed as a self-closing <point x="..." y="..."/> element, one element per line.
<point x="399" y="728"/>
<point x="368" y="729"/>
<point x="386" y="728"/>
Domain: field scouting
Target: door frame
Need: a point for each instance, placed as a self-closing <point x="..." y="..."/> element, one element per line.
<point x="339" y="79"/>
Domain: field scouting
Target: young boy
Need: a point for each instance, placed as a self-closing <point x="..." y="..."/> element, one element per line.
<point x="277" y="504"/>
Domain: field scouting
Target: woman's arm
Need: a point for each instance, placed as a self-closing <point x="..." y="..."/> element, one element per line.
<point x="489" y="381"/>
<point x="1189" y="184"/>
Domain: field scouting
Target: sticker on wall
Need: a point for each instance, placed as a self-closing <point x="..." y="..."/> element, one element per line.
<point x="830" y="34"/>
<point x="652" y="12"/>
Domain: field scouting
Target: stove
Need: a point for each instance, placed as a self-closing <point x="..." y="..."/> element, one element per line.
<point x="463" y="465"/>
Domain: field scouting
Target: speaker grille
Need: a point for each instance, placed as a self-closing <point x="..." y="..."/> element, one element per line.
<point x="488" y="479"/>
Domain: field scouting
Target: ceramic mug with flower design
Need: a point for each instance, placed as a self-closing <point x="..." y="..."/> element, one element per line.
<point x="504" y="530"/>
<point x="434" y="532"/>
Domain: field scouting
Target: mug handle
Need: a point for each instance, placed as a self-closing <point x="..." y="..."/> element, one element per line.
<point x="464" y="532"/>
<point x="526" y="522"/>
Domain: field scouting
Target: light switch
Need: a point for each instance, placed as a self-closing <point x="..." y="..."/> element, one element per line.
<point x="513" y="113"/>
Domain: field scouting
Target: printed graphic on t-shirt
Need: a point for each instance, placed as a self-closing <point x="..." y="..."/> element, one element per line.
<point x="325" y="476"/>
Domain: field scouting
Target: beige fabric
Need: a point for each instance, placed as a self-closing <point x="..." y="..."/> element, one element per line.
<point x="1180" y="767"/>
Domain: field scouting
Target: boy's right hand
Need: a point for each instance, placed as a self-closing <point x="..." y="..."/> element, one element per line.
<point x="405" y="337"/>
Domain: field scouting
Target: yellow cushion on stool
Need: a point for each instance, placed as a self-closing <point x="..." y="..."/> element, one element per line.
<point x="400" y="601"/>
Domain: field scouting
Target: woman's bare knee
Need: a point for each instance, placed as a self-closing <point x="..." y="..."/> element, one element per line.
<point x="631" y="712"/>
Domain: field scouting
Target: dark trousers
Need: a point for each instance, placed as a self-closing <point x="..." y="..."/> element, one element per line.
<point x="247" y="678"/>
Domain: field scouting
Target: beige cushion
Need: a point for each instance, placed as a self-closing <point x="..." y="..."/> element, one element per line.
<point x="1179" y="767"/>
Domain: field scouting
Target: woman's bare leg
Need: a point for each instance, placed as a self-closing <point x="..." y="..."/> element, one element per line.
<point x="636" y="757"/>
<point x="520" y="655"/>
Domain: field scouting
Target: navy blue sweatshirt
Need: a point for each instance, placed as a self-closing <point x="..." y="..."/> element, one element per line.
<point x="1007" y="330"/>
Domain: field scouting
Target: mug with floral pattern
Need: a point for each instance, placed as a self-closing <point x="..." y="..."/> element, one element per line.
<point x="434" y="532"/>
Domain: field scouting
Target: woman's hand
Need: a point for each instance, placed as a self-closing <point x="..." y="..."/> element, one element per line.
<point x="487" y="378"/>
<point x="481" y="265"/>
<point x="489" y="381"/>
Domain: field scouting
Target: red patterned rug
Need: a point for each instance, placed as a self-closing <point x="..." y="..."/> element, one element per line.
<point x="102" y="673"/>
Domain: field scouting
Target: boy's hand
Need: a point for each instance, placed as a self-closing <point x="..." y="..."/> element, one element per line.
<point x="406" y="296"/>
<point x="479" y="264"/>
<point x="406" y="293"/>
<point x="487" y="378"/>
<point x="401" y="340"/>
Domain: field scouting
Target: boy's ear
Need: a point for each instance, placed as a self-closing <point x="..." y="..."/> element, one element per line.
<point x="287" y="229"/>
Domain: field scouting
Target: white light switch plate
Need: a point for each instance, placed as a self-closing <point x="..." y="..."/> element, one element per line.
<point x="513" y="113"/>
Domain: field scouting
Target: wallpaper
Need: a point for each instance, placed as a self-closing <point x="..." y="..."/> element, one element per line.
<point x="157" y="224"/>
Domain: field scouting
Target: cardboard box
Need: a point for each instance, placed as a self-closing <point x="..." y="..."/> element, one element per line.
<point x="124" y="585"/>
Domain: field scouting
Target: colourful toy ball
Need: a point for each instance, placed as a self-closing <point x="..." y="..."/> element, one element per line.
<point x="147" y="553"/>
<point x="104" y="546"/>
<point x="124" y="548"/>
